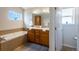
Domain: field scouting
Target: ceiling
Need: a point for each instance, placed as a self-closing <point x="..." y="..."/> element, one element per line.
<point x="37" y="10"/>
<point x="27" y="8"/>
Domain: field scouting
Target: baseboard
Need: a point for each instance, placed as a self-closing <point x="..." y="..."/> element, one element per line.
<point x="69" y="46"/>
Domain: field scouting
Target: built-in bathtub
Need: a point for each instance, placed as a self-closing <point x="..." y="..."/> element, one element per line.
<point x="9" y="42"/>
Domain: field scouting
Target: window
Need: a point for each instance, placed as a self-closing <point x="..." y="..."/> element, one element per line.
<point x="15" y="16"/>
<point x="67" y="16"/>
<point x="67" y="20"/>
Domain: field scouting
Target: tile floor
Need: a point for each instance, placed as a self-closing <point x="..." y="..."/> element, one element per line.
<point x="65" y="48"/>
<point x="36" y="47"/>
<point x="32" y="47"/>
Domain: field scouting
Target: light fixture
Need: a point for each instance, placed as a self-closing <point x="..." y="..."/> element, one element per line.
<point x="45" y="10"/>
<point x="36" y="11"/>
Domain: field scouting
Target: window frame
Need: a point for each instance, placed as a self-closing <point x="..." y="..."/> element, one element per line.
<point x="69" y="16"/>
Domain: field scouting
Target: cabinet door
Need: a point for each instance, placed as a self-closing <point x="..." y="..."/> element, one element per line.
<point x="44" y="38"/>
<point x="31" y="35"/>
<point x="37" y="20"/>
<point x="37" y="35"/>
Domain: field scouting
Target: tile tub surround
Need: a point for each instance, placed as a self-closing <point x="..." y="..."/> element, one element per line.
<point x="10" y="36"/>
<point x="11" y="41"/>
<point x="2" y="32"/>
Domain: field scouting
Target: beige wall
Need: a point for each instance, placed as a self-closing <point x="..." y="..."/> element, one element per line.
<point x="5" y="22"/>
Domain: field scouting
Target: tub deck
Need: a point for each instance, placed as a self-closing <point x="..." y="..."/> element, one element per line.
<point x="11" y="41"/>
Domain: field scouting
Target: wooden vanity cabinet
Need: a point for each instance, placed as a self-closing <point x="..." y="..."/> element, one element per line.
<point x="39" y="36"/>
<point x="30" y="35"/>
<point x="44" y="37"/>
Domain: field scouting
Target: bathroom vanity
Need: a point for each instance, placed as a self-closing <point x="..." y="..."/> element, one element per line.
<point x="39" y="36"/>
<point x="39" y="32"/>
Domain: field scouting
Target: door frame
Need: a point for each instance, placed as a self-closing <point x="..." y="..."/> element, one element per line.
<point x="52" y="32"/>
<point x="52" y="29"/>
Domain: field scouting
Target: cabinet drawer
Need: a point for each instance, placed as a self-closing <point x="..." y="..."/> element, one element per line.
<point x="37" y="34"/>
<point x="42" y="32"/>
<point x="37" y="40"/>
<point x="37" y="37"/>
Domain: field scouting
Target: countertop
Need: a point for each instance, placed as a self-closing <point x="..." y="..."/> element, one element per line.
<point x="44" y="29"/>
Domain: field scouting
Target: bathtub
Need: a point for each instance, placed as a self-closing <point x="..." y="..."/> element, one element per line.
<point x="11" y="41"/>
<point x="10" y="36"/>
